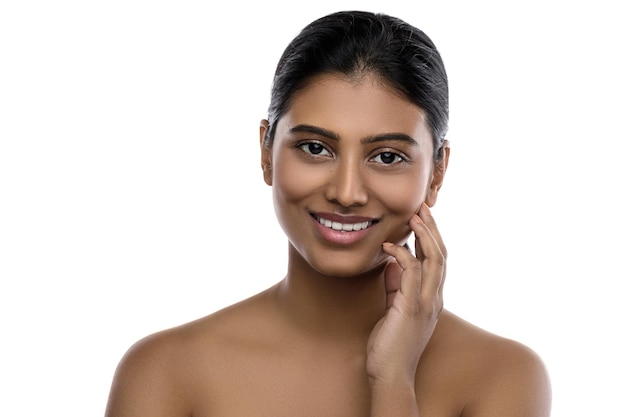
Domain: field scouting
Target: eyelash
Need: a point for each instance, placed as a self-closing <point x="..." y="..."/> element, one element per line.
<point x="394" y="154"/>
<point x="305" y="147"/>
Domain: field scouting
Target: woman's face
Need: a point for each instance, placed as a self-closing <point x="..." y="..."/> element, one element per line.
<point x="351" y="161"/>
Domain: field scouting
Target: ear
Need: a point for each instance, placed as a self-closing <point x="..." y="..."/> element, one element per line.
<point x="439" y="171"/>
<point x="266" y="152"/>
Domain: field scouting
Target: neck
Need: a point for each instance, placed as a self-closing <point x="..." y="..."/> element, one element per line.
<point x="331" y="307"/>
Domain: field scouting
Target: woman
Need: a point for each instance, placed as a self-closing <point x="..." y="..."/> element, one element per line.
<point x="354" y="148"/>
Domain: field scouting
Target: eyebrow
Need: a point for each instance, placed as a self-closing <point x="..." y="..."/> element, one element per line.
<point x="366" y="140"/>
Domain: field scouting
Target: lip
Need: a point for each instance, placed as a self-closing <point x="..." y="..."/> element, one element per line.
<point x="342" y="230"/>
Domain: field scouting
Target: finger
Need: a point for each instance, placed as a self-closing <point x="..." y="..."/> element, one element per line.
<point x="410" y="271"/>
<point x="427" y="217"/>
<point x="429" y="220"/>
<point x="393" y="276"/>
<point x="433" y="262"/>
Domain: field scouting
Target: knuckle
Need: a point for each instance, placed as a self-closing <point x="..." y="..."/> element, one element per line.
<point x="439" y="259"/>
<point x="428" y="309"/>
<point x="435" y="311"/>
<point x="413" y="263"/>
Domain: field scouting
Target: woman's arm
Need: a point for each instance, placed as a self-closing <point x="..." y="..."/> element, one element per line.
<point x="414" y="286"/>
<point x="508" y="378"/>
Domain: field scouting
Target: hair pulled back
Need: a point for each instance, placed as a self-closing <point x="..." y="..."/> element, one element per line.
<point x="356" y="43"/>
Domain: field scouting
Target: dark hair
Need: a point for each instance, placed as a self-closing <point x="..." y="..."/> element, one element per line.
<point x="355" y="43"/>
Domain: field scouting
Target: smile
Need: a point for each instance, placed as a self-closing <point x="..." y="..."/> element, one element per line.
<point x="344" y="227"/>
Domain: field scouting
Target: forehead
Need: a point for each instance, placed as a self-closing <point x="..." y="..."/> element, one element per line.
<point x="356" y="107"/>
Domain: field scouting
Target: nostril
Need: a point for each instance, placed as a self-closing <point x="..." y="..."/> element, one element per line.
<point x="346" y="187"/>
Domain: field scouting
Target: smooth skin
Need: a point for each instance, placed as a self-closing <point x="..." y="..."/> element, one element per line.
<point x="353" y="329"/>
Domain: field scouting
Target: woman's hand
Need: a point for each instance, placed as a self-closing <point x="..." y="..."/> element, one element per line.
<point x="414" y="286"/>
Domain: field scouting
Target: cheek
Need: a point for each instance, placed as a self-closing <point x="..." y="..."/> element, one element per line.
<point x="292" y="181"/>
<point x="403" y="195"/>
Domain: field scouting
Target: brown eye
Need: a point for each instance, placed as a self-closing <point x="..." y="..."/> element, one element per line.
<point x="314" y="148"/>
<point x="388" y="158"/>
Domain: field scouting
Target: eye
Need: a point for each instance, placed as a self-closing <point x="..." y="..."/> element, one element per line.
<point x="314" y="148"/>
<point x="388" y="158"/>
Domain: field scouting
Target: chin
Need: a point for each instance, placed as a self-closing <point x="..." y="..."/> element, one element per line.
<point x="342" y="265"/>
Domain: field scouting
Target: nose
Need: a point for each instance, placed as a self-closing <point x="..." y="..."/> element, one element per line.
<point x="347" y="185"/>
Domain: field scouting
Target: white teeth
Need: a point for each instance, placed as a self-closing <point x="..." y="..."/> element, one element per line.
<point x="346" y="227"/>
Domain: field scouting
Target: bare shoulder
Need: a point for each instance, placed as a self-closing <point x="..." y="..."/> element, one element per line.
<point x="165" y="373"/>
<point x="498" y="374"/>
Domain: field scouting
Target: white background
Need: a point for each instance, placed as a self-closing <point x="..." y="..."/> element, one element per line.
<point x="131" y="195"/>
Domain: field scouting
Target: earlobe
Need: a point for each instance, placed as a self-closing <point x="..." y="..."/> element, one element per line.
<point x="266" y="152"/>
<point x="439" y="172"/>
<point x="267" y="174"/>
